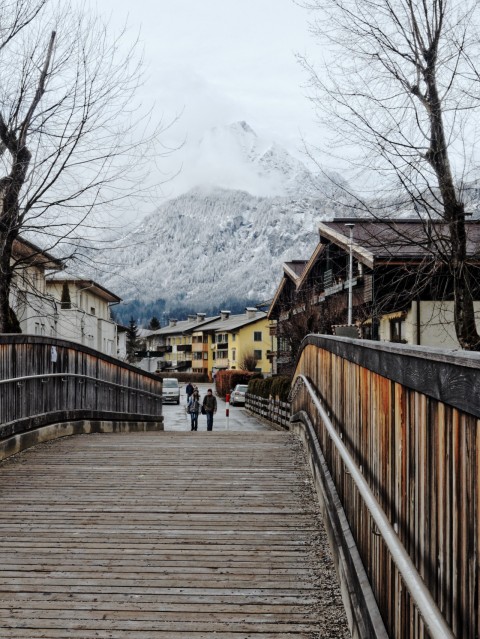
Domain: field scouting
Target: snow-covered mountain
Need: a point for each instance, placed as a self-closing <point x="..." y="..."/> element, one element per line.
<point x="234" y="157"/>
<point x="257" y="207"/>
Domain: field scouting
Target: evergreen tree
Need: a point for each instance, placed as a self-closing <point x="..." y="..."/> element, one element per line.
<point x="154" y="324"/>
<point x="132" y="340"/>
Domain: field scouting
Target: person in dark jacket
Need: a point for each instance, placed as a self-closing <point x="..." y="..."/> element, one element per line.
<point x="189" y="390"/>
<point x="210" y="405"/>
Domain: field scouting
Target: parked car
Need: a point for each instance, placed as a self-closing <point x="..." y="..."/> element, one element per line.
<point x="237" y="396"/>
<point x="171" y="390"/>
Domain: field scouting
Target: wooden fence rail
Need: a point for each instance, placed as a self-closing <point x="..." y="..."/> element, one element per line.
<point x="410" y="418"/>
<point x="44" y="380"/>
<point x="270" y="409"/>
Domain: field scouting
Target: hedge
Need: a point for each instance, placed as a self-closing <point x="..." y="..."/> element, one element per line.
<point x="226" y="380"/>
<point x="277" y="387"/>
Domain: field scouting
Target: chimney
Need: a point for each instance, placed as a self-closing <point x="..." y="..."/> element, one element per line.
<point x="224" y="315"/>
<point x="201" y="317"/>
<point x="251" y="312"/>
<point x="191" y="318"/>
<point x="172" y="322"/>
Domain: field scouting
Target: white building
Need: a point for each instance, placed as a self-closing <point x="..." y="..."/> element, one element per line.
<point x="38" y="300"/>
<point x="36" y="311"/>
<point x="83" y="312"/>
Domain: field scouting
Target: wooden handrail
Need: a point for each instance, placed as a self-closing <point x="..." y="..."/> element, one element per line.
<point x="410" y="419"/>
<point x="43" y="379"/>
<point x="423" y="600"/>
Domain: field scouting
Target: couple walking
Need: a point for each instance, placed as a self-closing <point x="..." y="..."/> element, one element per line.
<point x="208" y="406"/>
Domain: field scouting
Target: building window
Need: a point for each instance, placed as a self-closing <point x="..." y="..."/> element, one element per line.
<point x="234" y="337"/>
<point x="257" y="336"/>
<point x="397" y="330"/>
<point x="257" y="355"/>
<point x="234" y="354"/>
<point x="92" y="310"/>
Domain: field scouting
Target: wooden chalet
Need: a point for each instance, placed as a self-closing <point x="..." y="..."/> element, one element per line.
<point x="401" y="287"/>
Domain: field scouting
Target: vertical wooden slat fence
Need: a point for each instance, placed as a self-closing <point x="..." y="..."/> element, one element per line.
<point x="44" y="380"/>
<point x="410" y="418"/>
<point x="271" y="409"/>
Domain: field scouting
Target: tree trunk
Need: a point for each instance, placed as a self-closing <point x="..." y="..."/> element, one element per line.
<point x="454" y="216"/>
<point x="8" y="320"/>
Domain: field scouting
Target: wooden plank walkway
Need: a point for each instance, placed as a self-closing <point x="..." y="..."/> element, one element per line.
<point x="164" y="536"/>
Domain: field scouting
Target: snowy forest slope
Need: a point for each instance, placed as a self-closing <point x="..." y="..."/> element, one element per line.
<point x="223" y="243"/>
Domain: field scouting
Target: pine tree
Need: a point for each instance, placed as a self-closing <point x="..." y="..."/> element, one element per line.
<point x="154" y="324"/>
<point x="132" y="339"/>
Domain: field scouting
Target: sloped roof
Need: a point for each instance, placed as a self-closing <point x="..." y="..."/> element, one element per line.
<point x="311" y="262"/>
<point x="408" y="239"/>
<point x="184" y="326"/>
<point x="295" y="268"/>
<point x="86" y="284"/>
<point x="236" y="321"/>
<point x="34" y="255"/>
<point x="292" y="271"/>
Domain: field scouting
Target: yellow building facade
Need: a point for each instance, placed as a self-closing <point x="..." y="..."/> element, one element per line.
<point x="232" y="339"/>
<point x="206" y="345"/>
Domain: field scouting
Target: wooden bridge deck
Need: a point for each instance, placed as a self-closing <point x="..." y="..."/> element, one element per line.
<point x="164" y="536"/>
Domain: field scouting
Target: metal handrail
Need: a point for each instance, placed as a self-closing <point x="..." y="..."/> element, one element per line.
<point x="426" y="606"/>
<point x="47" y="376"/>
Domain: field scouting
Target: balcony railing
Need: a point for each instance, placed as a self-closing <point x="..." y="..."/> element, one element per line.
<point x="187" y="348"/>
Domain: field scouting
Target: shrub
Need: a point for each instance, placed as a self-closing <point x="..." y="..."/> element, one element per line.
<point x="226" y="380"/>
<point x="277" y="387"/>
<point x="281" y="387"/>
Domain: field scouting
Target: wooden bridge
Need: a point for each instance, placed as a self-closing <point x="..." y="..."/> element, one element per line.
<point x="130" y="530"/>
<point x="164" y="535"/>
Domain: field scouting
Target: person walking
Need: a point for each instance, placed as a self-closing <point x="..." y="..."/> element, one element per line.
<point x="210" y="406"/>
<point x="194" y="408"/>
<point x="189" y="390"/>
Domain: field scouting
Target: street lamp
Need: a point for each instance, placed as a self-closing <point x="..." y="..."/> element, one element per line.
<point x="350" y="225"/>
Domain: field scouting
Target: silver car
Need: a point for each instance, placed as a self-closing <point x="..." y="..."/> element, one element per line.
<point x="237" y="396"/>
<point x="171" y="390"/>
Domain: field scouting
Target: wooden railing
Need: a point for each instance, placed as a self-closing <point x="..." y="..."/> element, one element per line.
<point x="271" y="409"/>
<point x="43" y="381"/>
<point x="409" y="417"/>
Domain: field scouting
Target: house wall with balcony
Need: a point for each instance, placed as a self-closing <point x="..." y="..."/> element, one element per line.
<point x="87" y="321"/>
<point x="201" y="353"/>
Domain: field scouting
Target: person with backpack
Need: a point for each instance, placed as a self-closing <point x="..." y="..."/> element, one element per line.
<point x="193" y="408"/>
<point x="209" y="407"/>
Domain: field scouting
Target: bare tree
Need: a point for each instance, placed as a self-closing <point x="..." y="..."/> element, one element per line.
<point x="401" y="84"/>
<point x="249" y="362"/>
<point x="297" y="319"/>
<point x="72" y="138"/>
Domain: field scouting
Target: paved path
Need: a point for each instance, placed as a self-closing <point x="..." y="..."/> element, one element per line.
<point x="176" y="417"/>
<point x="172" y="535"/>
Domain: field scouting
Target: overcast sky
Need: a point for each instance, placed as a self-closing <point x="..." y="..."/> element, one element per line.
<point x="219" y="61"/>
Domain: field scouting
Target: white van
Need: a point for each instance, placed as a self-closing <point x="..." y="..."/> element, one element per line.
<point x="171" y="390"/>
